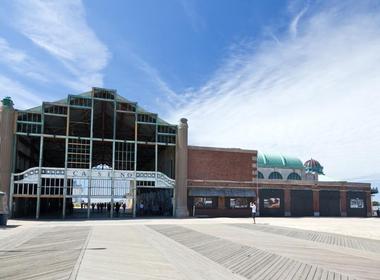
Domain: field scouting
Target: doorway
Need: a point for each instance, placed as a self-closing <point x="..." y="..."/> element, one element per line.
<point x="154" y="202"/>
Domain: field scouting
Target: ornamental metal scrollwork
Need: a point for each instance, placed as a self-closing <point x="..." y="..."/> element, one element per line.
<point x="31" y="175"/>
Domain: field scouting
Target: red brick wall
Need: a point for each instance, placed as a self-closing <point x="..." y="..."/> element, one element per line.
<point x="316" y="200"/>
<point x="214" y="164"/>
<point x="369" y="205"/>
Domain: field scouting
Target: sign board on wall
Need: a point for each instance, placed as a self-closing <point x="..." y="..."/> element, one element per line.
<point x="356" y="203"/>
<point x="272" y="203"/>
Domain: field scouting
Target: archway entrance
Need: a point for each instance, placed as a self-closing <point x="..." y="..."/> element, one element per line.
<point x="97" y="193"/>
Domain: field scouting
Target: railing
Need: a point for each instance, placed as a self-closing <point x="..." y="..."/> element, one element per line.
<point x="162" y="179"/>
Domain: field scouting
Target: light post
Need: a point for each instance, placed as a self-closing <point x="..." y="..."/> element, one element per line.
<point x="257" y="193"/>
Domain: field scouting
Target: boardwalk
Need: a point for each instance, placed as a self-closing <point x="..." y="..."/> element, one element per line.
<point x="183" y="249"/>
<point x="49" y="253"/>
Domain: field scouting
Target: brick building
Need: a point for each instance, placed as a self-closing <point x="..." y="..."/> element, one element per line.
<point x="98" y="154"/>
<point x="222" y="182"/>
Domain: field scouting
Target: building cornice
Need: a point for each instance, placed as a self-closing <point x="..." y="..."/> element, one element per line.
<point x="217" y="149"/>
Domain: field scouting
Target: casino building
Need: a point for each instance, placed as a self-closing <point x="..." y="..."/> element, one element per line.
<point x="99" y="155"/>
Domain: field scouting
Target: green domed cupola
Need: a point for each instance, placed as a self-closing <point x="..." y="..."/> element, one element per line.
<point x="7" y="102"/>
<point x="313" y="166"/>
<point x="265" y="160"/>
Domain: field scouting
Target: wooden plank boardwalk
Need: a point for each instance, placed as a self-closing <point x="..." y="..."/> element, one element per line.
<point x="42" y="253"/>
<point x="249" y="262"/>
<point x="363" y="244"/>
<point x="182" y="249"/>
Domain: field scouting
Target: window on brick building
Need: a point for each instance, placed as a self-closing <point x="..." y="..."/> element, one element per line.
<point x="206" y="202"/>
<point x="238" y="202"/>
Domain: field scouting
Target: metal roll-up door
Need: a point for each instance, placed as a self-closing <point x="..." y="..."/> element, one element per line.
<point x="302" y="203"/>
<point x="329" y="203"/>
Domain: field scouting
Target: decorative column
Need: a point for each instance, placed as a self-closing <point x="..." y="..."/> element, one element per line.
<point x="316" y="202"/>
<point x="66" y="159"/>
<point x="287" y="198"/>
<point x="343" y="203"/>
<point x="369" y="204"/>
<point x="134" y="185"/>
<point x="180" y="191"/>
<point x="7" y="120"/>
<point x="221" y="202"/>
<point x="39" y="185"/>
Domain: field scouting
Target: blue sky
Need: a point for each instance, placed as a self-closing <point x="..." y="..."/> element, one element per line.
<point x="298" y="77"/>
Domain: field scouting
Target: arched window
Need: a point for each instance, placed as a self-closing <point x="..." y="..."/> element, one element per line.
<point x="294" y="176"/>
<point x="260" y="175"/>
<point x="275" y="176"/>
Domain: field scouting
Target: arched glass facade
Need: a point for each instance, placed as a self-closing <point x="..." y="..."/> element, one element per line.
<point x="92" y="152"/>
<point x="275" y="176"/>
<point x="294" y="176"/>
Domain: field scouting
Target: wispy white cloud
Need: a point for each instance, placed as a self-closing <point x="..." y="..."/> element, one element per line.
<point x="20" y="62"/>
<point x="155" y="77"/>
<point x="25" y="66"/>
<point x="190" y="10"/>
<point x="60" y="28"/>
<point x="316" y="94"/>
<point x="294" y="24"/>
<point x="164" y="96"/>
<point x="23" y="97"/>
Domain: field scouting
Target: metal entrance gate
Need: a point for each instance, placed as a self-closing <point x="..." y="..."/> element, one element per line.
<point x="82" y="192"/>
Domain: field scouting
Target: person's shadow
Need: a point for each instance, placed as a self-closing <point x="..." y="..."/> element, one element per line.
<point x="8" y="226"/>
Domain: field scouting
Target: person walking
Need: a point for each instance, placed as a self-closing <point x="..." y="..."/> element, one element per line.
<point x="71" y="205"/>
<point x="117" y="208"/>
<point x="141" y="207"/>
<point x="253" y="207"/>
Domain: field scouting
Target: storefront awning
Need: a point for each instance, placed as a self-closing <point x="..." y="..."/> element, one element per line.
<point x="233" y="192"/>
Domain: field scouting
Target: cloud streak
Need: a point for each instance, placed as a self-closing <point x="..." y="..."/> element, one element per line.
<point x="294" y="24"/>
<point x="23" y="97"/>
<point x="20" y="62"/>
<point x="314" y="94"/>
<point x="154" y="76"/>
<point x="60" y="28"/>
<point x="190" y="10"/>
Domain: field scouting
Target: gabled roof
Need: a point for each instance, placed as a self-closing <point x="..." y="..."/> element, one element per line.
<point x="88" y="94"/>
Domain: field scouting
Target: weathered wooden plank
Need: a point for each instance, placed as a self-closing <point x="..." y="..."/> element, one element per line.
<point x="251" y="263"/>
<point x="356" y="243"/>
<point x="51" y="254"/>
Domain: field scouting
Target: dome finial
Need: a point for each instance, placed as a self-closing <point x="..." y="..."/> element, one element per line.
<point x="313" y="166"/>
<point x="7" y="101"/>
